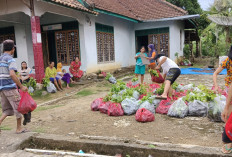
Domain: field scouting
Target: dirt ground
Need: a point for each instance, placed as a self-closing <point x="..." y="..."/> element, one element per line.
<point x="73" y="117"/>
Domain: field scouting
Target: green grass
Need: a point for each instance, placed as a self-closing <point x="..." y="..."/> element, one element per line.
<point x="44" y="108"/>
<point x="5" y="128"/>
<point x="85" y="92"/>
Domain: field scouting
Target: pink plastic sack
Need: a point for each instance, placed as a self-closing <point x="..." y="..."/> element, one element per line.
<point x="103" y="108"/>
<point x="164" y="106"/>
<point x="141" y="96"/>
<point x="143" y="115"/>
<point x="95" y="104"/>
<point x="26" y="104"/>
<point x="115" y="109"/>
<point x="159" y="79"/>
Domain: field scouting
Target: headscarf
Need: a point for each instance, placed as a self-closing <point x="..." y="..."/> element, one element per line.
<point x="152" y="47"/>
<point x="230" y="53"/>
<point x="59" y="67"/>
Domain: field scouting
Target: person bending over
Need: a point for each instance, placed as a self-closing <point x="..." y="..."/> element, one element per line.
<point x="171" y="72"/>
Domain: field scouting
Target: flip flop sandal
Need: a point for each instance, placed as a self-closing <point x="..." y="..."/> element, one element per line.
<point x="226" y="150"/>
<point x="161" y="98"/>
<point x="23" y="131"/>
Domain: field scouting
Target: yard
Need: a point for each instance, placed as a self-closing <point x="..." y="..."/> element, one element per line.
<point x="72" y="116"/>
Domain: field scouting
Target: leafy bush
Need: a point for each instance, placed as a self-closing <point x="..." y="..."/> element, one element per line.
<point x="45" y="82"/>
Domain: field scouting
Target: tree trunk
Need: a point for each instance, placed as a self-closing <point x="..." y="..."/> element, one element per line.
<point x="200" y="48"/>
<point x="197" y="49"/>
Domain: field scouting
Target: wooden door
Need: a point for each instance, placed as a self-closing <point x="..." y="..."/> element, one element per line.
<point x="161" y="42"/>
<point x="67" y="46"/>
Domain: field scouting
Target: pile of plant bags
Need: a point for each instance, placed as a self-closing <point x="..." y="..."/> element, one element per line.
<point x="186" y="100"/>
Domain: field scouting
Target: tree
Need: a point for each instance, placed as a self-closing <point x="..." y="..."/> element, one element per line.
<point x="193" y="7"/>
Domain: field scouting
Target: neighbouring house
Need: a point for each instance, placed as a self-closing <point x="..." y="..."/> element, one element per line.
<point x="105" y="34"/>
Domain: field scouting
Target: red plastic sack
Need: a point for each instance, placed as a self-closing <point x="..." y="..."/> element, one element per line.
<point x="115" y="109"/>
<point x="26" y="104"/>
<point x="159" y="79"/>
<point x="220" y="91"/>
<point x="103" y="108"/>
<point x="228" y="127"/>
<point x="143" y="115"/>
<point x="154" y="86"/>
<point x="164" y="106"/>
<point x="95" y="104"/>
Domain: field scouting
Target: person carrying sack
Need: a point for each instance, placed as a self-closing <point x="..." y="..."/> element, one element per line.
<point x="10" y="96"/>
<point x="171" y="72"/>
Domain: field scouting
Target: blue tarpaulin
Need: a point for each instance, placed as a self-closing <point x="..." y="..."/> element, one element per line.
<point x="199" y="71"/>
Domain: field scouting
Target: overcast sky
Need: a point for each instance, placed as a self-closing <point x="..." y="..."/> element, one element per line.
<point x="205" y="4"/>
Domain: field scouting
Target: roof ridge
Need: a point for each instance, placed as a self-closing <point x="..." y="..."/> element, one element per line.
<point x="174" y="6"/>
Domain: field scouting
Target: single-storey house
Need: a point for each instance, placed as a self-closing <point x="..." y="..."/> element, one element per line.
<point x="105" y="34"/>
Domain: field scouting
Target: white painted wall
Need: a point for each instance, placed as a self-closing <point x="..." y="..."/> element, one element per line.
<point x="123" y="41"/>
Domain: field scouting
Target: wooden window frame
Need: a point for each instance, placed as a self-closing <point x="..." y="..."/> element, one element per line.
<point x="110" y="47"/>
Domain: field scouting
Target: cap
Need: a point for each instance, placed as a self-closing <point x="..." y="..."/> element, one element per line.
<point x="8" y="45"/>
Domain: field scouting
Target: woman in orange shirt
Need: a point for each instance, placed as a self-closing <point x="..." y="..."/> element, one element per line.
<point x="151" y="56"/>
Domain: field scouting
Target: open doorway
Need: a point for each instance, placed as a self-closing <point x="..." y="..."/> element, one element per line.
<point x="141" y="41"/>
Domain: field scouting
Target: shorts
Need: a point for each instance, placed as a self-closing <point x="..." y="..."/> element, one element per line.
<point x="52" y="79"/>
<point x="173" y="74"/>
<point x="140" y="69"/>
<point x="10" y="101"/>
<point x="225" y="138"/>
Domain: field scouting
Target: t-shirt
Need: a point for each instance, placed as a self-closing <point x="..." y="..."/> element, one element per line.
<point x="24" y="73"/>
<point x="139" y="60"/>
<point x="7" y="63"/>
<point x="50" y="73"/>
<point x="167" y="65"/>
<point x="227" y="64"/>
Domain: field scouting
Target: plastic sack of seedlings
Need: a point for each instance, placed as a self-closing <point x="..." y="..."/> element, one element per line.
<point x="115" y="109"/>
<point x="122" y="92"/>
<point x="51" y="88"/>
<point x="150" y="107"/>
<point x="143" y="115"/>
<point x="103" y="108"/>
<point x="112" y="80"/>
<point x="136" y="95"/>
<point x="196" y="89"/>
<point x="95" y="104"/>
<point x="198" y="108"/>
<point x="180" y="88"/>
<point x="178" y="109"/>
<point x="135" y="83"/>
<point x="216" y="107"/>
<point x="188" y="87"/>
<point x="164" y="106"/>
<point x="130" y="106"/>
<point x="31" y="89"/>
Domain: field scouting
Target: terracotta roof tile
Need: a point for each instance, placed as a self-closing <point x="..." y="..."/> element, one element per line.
<point x="73" y="4"/>
<point x="140" y="9"/>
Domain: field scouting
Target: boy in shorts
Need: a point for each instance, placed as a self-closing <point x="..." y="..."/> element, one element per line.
<point x="171" y="72"/>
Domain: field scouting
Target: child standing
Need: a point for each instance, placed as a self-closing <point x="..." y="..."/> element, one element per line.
<point x="140" y="68"/>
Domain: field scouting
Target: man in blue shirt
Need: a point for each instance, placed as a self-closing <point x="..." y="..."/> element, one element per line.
<point x="10" y="96"/>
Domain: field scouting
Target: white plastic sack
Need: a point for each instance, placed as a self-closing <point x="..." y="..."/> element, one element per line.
<point x="178" y="109"/>
<point x="196" y="89"/>
<point x="188" y="87"/>
<point x="180" y="88"/>
<point x="135" y="83"/>
<point x="148" y="106"/>
<point x="136" y="95"/>
<point x="112" y="80"/>
<point x="51" y="88"/>
<point x="198" y="108"/>
<point x="216" y="107"/>
<point x="31" y="89"/>
<point x="130" y="106"/>
<point x="156" y="102"/>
